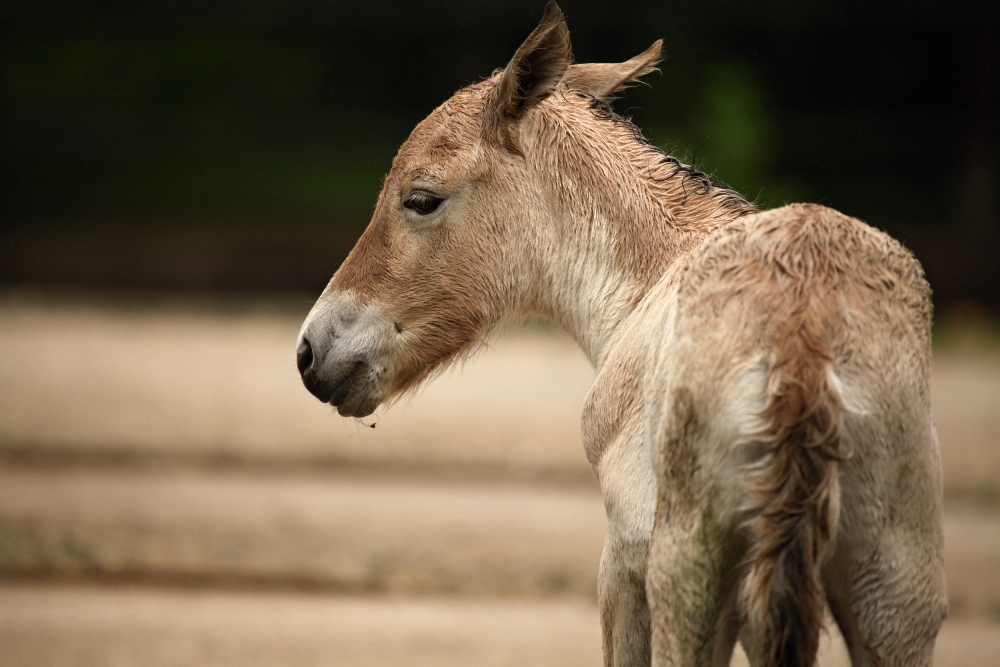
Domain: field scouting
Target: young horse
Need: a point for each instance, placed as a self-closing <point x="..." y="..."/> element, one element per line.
<point x="760" y="420"/>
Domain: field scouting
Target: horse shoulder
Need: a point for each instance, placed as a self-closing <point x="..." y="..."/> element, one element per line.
<point x="615" y="414"/>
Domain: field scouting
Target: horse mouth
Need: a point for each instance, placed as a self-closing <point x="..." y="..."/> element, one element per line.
<point x="342" y="387"/>
<point x="350" y="395"/>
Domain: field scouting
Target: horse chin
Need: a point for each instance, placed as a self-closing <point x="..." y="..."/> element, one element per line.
<point x="357" y="406"/>
<point x="360" y="399"/>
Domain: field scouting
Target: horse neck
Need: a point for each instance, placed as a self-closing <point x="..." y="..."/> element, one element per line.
<point x="619" y="216"/>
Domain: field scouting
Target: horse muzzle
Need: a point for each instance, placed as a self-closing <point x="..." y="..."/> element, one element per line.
<point x="336" y="357"/>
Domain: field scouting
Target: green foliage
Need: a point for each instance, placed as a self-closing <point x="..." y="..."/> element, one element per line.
<point x="735" y="126"/>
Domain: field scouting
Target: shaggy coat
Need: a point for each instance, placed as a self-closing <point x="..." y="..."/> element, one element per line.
<point x="760" y="420"/>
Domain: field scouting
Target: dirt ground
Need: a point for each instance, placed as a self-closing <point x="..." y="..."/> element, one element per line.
<point x="345" y="533"/>
<point x="205" y="384"/>
<point x="84" y="626"/>
<point x="171" y="495"/>
<point x="196" y="386"/>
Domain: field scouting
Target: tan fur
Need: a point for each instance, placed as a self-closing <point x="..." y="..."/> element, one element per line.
<point x="794" y="498"/>
<point x="602" y="80"/>
<point x="537" y="67"/>
<point x="759" y="423"/>
<point x="792" y="492"/>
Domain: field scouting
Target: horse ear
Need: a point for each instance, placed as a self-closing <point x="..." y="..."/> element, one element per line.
<point x="537" y="66"/>
<point x="604" y="79"/>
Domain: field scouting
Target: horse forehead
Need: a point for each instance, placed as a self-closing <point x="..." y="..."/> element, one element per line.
<point x="443" y="137"/>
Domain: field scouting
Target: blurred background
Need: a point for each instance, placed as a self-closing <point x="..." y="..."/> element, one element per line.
<point x="178" y="181"/>
<point x="240" y="145"/>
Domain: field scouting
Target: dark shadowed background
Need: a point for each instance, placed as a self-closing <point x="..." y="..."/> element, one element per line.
<point x="179" y="180"/>
<point x="215" y="145"/>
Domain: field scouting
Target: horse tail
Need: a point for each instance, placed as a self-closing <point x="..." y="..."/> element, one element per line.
<point x="794" y="495"/>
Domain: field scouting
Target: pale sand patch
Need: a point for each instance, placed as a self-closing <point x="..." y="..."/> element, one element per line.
<point x="84" y="627"/>
<point x="83" y="379"/>
<point x="175" y="384"/>
<point x="339" y="532"/>
<point x="965" y="395"/>
<point x="345" y="533"/>
<point x="153" y="628"/>
<point x="972" y="562"/>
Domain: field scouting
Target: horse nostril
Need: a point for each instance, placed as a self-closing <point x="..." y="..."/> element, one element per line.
<point x="304" y="355"/>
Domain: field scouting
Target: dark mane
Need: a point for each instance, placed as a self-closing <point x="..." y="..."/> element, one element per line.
<point x="703" y="183"/>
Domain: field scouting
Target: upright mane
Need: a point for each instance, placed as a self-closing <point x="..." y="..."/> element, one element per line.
<point x="692" y="199"/>
<point x="663" y="167"/>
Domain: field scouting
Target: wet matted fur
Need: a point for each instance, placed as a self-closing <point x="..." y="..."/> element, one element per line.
<point x="760" y="420"/>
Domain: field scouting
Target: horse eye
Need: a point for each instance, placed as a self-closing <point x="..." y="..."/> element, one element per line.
<point x="422" y="203"/>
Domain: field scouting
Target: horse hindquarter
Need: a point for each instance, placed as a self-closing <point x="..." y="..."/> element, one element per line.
<point x="797" y="460"/>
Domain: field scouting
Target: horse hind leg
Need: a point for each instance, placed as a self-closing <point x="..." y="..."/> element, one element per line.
<point x="622" y="601"/>
<point x="885" y="581"/>
<point x="892" y="608"/>
<point x="727" y="631"/>
<point x="836" y="584"/>
<point x="692" y="585"/>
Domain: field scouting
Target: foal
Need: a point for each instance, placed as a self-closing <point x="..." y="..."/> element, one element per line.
<point x="760" y="420"/>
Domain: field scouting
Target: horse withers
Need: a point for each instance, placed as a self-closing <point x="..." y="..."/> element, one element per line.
<point x="760" y="420"/>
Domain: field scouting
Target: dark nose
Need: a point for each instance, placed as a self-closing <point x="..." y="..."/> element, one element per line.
<point x="304" y="355"/>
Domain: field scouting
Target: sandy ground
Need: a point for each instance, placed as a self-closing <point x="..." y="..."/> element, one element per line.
<point x="341" y="533"/>
<point x="176" y="446"/>
<point x="85" y="627"/>
<point x="337" y="533"/>
<point x="154" y="628"/>
<point x="177" y="384"/>
<point x="126" y="383"/>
